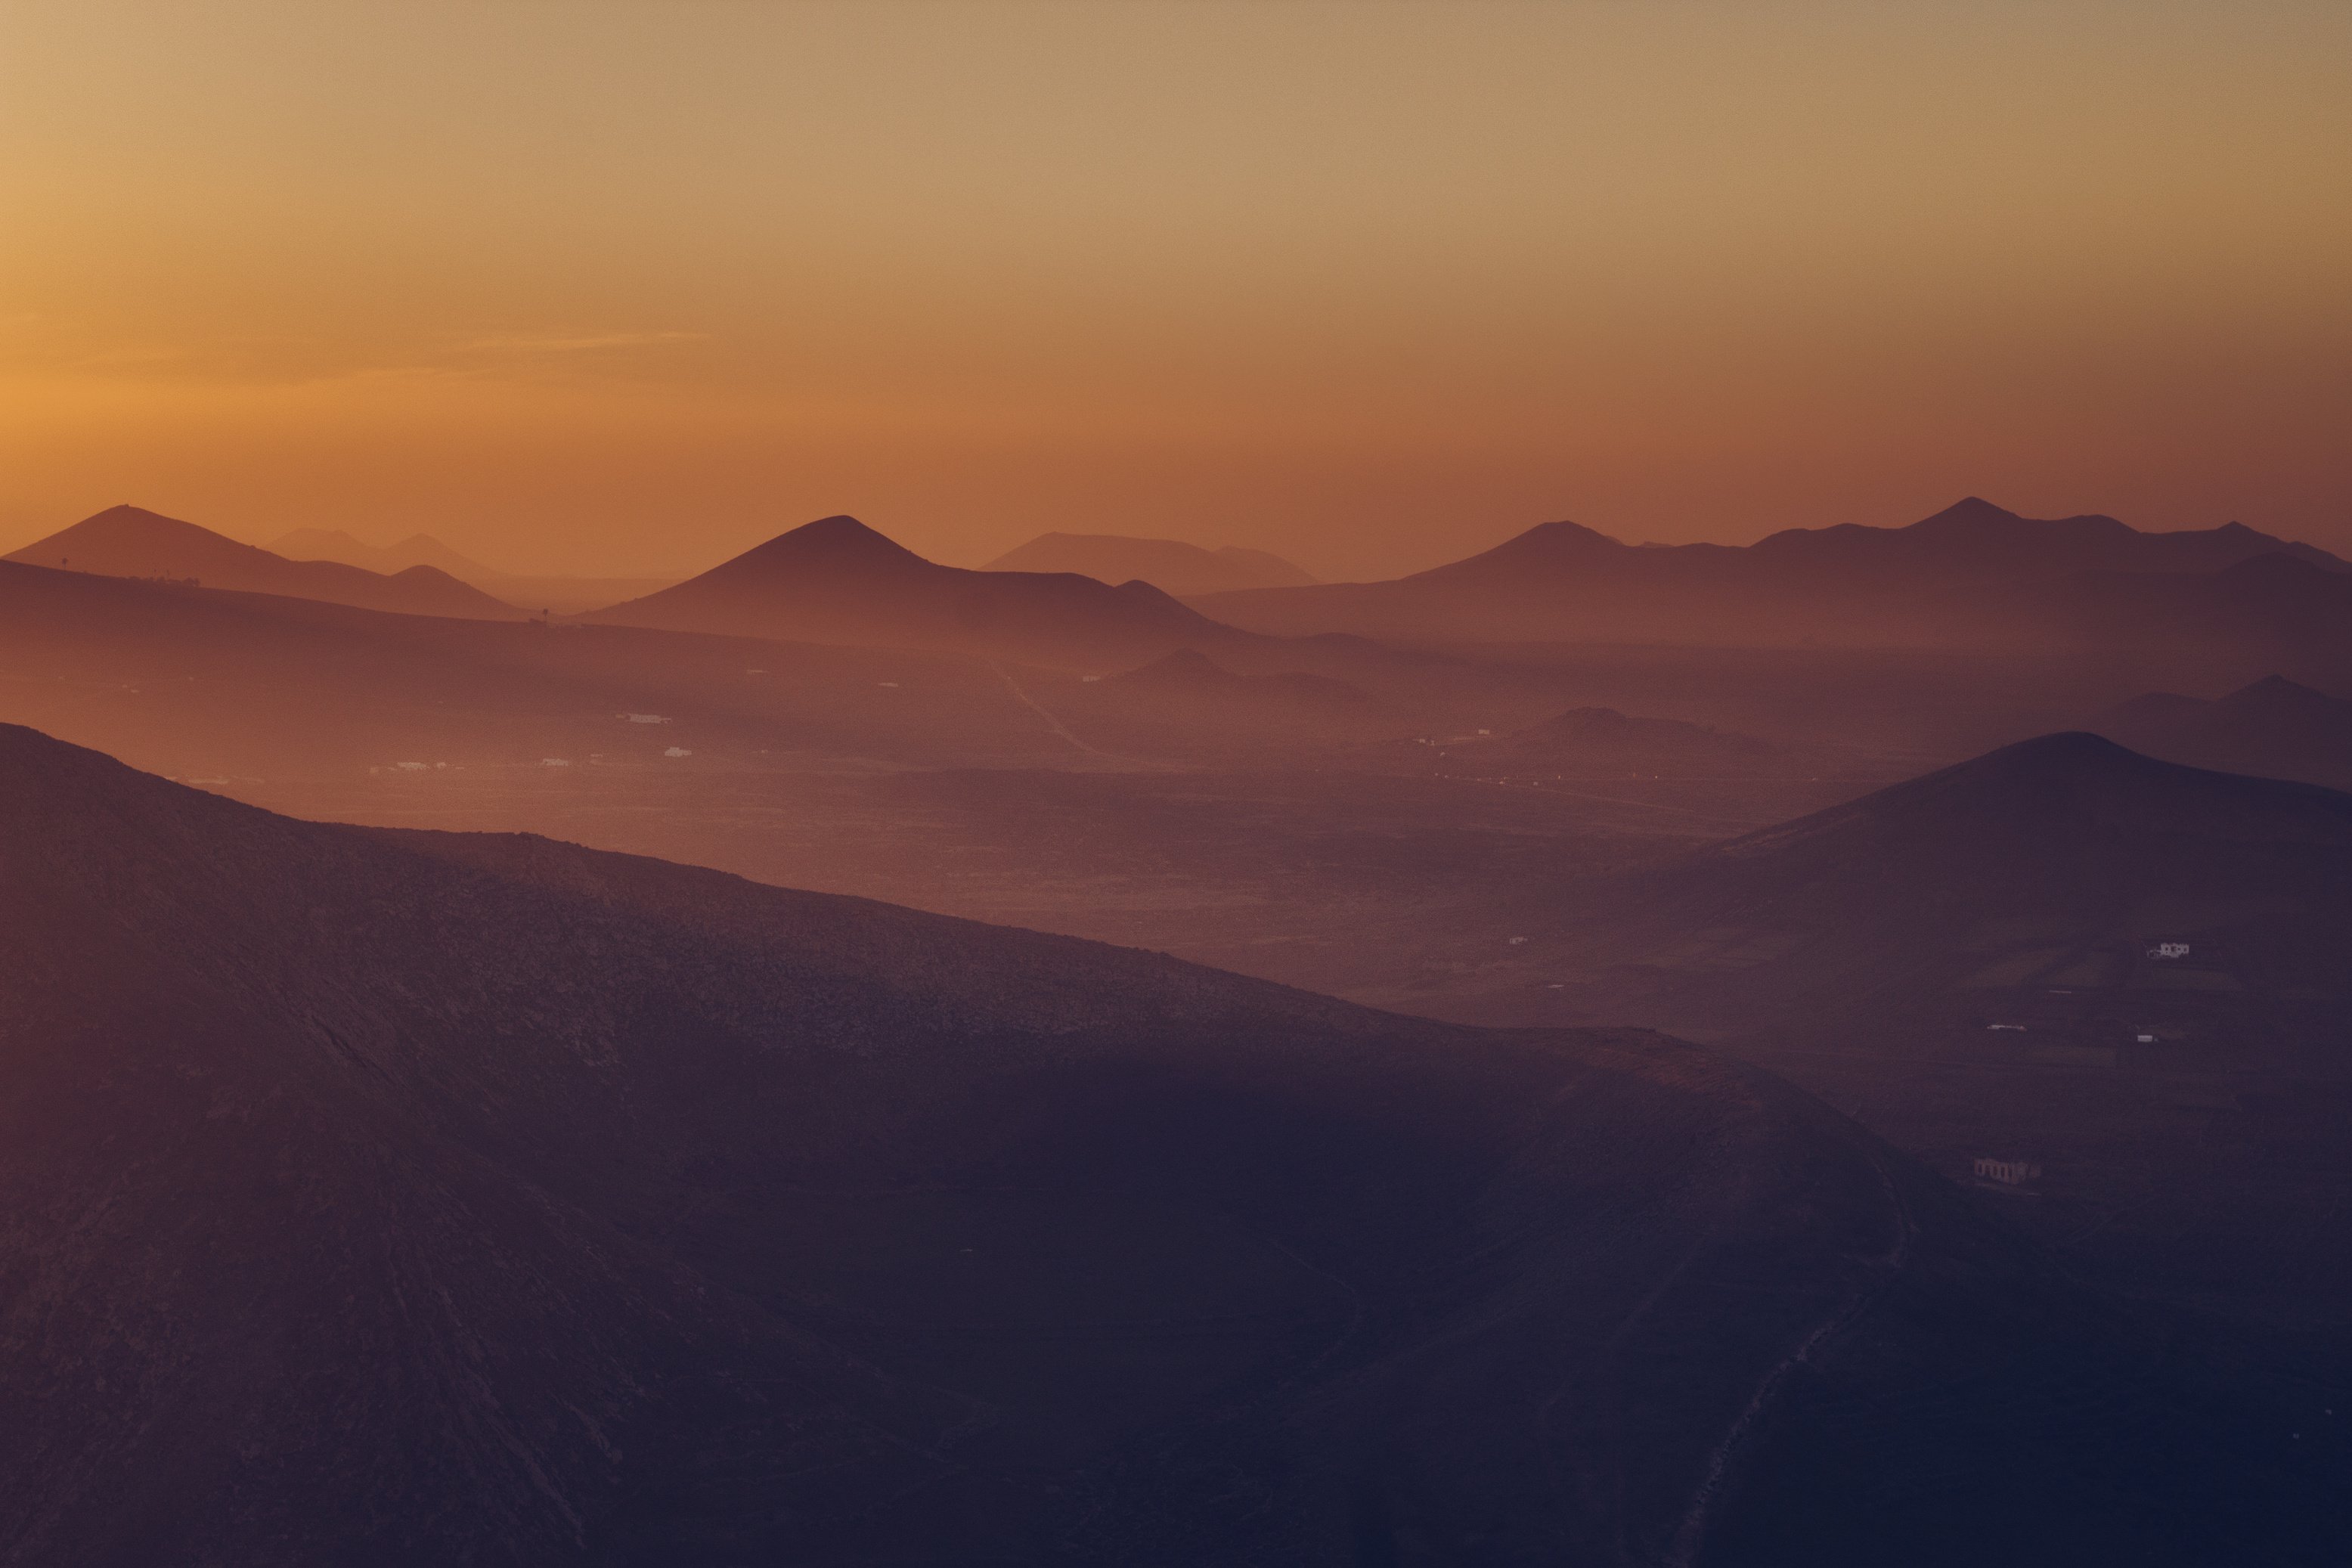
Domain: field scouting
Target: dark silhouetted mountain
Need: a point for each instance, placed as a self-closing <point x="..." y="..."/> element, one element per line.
<point x="1167" y="564"/>
<point x="390" y="1198"/>
<point x="1973" y="575"/>
<point x="837" y="581"/>
<point x="127" y="541"/>
<point x="2274" y="727"/>
<point x="2063" y="852"/>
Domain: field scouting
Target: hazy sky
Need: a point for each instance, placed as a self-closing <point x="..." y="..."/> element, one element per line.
<point x="621" y="286"/>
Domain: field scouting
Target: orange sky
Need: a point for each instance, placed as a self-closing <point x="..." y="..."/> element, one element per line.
<point x="612" y="287"/>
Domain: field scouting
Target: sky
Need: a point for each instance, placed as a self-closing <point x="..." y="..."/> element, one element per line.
<point x="629" y="287"/>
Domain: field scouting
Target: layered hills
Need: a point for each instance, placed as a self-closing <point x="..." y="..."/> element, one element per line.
<point x="390" y="1197"/>
<point x="129" y="542"/>
<point x="1168" y="564"/>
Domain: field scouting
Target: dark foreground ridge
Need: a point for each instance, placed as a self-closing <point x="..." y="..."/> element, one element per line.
<point x="380" y="1197"/>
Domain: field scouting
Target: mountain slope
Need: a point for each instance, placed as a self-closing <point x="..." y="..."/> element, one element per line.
<point x="127" y="541"/>
<point x="382" y="1198"/>
<point x="837" y="581"/>
<point x="1168" y="564"/>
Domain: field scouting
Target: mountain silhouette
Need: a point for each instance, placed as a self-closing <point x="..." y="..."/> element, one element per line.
<point x="2274" y="727"/>
<point x="1168" y="564"/>
<point x="388" y="1197"/>
<point x="1973" y="575"/>
<point x="129" y="542"/>
<point x="838" y="581"/>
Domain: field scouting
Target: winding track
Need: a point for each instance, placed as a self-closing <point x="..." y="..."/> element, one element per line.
<point x="1690" y="1536"/>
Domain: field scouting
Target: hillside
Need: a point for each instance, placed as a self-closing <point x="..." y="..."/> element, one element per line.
<point x="384" y="1197"/>
<point x="2065" y="856"/>
<point x="126" y="541"/>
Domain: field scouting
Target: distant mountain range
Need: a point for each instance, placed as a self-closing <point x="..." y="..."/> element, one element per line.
<point x="837" y="581"/>
<point x="2274" y="727"/>
<point x="128" y="541"/>
<point x="1972" y="575"/>
<point x="557" y="595"/>
<point x="396" y="1197"/>
<point x="1168" y="564"/>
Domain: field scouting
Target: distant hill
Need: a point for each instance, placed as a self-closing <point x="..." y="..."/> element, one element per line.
<point x="2065" y="855"/>
<point x="404" y="1198"/>
<point x="1168" y="564"/>
<point x="2274" y="727"/>
<point x="128" y="541"/>
<point x="1973" y="575"/>
<point x="837" y="581"/>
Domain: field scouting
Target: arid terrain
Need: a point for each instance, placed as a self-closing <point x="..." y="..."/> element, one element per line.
<point x="819" y="1205"/>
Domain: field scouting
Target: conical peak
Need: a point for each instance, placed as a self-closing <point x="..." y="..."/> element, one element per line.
<point x="839" y="541"/>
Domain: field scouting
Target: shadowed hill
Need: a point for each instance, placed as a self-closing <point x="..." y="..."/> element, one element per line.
<point x="384" y="1198"/>
<point x="1168" y="564"/>
<point x="127" y="541"/>
<point x="1972" y="575"/>
<point x="837" y="581"/>
<point x="2069" y="847"/>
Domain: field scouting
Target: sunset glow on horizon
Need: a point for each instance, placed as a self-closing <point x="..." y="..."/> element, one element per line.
<point x="629" y="287"/>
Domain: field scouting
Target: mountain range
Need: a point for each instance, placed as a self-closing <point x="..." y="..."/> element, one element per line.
<point x="128" y="541"/>
<point x="1972" y="575"/>
<point x="1168" y="564"/>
